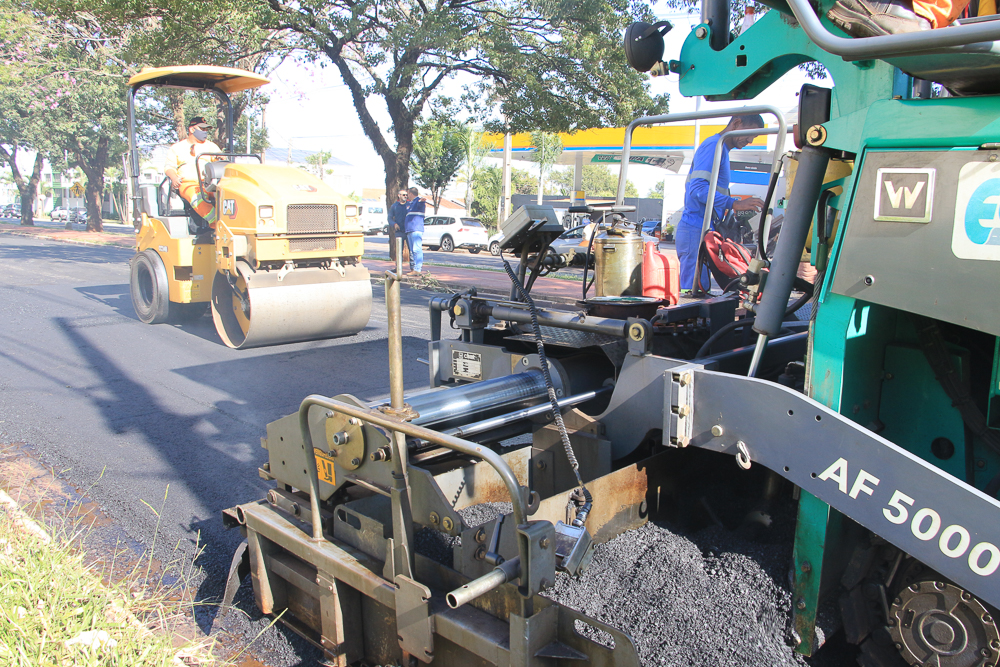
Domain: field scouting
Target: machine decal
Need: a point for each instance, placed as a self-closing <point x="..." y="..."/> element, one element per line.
<point x="926" y="524"/>
<point x="976" y="234"/>
<point x="904" y="195"/>
<point x="467" y="364"/>
<point x="324" y="466"/>
<point x="229" y="207"/>
<point x="163" y="248"/>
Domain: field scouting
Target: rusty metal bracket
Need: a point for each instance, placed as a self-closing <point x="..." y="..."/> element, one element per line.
<point x="402" y="414"/>
<point x="414" y="621"/>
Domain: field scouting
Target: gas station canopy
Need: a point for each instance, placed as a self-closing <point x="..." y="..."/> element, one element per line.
<point x="664" y="146"/>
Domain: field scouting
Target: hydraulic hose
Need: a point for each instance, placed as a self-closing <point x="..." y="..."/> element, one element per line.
<point x="586" y="265"/>
<point x="747" y="321"/>
<point x="765" y="210"/>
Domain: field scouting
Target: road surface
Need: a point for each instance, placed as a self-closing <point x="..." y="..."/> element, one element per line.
<point x="123" y="410"/>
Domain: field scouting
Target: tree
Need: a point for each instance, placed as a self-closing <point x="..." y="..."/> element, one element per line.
<point x="548" y="147"/>
<point x="475" y="156"/>
<point x="557" y="64"/>
<point x="488" y="190"/>
<point x="597" y="181"/>
<point x="317" y="162"/>
<point x="22" y="126"/>
<point x="656" y="192"/>
<point x="438" y="151"/>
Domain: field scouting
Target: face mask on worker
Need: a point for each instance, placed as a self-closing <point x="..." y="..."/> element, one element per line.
<point x="200" y="135"/>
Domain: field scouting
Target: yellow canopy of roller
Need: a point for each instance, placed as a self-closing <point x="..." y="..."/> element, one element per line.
<point x="227" y="79"/>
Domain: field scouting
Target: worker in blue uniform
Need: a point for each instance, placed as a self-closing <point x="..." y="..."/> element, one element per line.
<point x="688" y="231"/>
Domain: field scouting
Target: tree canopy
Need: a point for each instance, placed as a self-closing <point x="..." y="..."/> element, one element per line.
<point x="598" y="181"/>
<point x="548" y="148"/>
<point x="555" y="66"/>
<point x="439" y="149"/>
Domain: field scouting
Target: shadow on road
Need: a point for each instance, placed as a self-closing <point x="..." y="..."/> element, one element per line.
<point x="65" y="252"/>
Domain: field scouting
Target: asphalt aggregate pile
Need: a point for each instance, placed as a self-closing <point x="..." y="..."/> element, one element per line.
<point x="709" y="599"/>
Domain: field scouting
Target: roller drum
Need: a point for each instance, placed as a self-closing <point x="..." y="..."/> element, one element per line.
<point x="303" y="304"/>
<point x="461" y="403"/>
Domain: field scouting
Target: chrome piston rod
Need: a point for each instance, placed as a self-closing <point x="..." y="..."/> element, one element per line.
<point x="467" y="401"/>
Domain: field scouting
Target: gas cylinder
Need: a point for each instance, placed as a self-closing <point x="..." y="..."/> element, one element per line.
<point x="660" y="274"/>
<point x="618" y="261"/>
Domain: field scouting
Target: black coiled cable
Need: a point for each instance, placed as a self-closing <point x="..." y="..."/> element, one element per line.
<point x="543" y="360"/>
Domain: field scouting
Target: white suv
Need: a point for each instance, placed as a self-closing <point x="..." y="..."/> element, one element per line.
<point x="449" y="233"/>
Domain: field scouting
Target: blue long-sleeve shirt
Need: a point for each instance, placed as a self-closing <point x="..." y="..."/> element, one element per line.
<point x="415" y="211"/>
<point x="397" y="214"/>
<point x="696" y="191"/>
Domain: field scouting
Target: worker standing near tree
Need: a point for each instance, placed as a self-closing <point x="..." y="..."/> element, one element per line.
<point x="688" y="232"/>
<point x="414" y="229"/>
<point x="397" y="218"/>
<point x="180" y="167"/>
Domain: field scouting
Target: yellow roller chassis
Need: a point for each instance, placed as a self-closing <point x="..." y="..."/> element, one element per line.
<point x="282" y="264"/>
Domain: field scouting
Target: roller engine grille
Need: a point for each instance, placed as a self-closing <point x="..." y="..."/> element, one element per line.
<point x="312" y="244"/>
<point x="311" y="218"/>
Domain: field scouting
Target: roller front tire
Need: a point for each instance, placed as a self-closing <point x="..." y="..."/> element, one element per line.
<point x="148" y="288"/>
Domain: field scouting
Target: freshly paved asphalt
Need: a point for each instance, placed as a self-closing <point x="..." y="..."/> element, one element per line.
<point x="123" y="410"/>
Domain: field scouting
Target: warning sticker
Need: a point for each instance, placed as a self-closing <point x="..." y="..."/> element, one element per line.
<point x="324" y="466"/>
<point x="467" y="364"/>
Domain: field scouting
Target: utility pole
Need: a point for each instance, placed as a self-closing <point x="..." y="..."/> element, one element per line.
<point x="263" y="152"/>
<point x="505" y="212"/>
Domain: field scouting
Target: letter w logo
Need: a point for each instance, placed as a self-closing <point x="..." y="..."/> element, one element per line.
<point x="908" y="196"/>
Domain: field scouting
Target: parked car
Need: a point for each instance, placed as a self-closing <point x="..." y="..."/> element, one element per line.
<point x="59" y="215"/>
<point x="10" y="211"/>
<point x="78" y="215"/>
<point x="494" y="244"/>
<point x="651" y="230"/>
<point x="448" y="233"/>
<point x="574" y="239"/>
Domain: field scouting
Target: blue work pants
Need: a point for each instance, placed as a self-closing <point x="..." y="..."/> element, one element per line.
<point x="413" y="240"/>
<point x="686" y="238"/>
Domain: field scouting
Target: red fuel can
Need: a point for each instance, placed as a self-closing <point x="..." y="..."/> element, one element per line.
<point x="660" y="274"/>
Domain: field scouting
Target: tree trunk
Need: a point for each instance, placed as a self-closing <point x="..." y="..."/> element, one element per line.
<point x="177" y="108"/>
<point x="93" y="167"/>
<point x="27" y="189"/>
<point x="397" y="177"/>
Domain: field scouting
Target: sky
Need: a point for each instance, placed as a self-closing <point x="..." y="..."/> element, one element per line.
<point x="311" y="108"/>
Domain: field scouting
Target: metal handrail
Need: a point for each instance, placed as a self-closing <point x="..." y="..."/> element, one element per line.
<point x="692" y="115"/>
<point x="713" y="182"/>
<point x="862" y="48"/>
<point x="378" y="419"/>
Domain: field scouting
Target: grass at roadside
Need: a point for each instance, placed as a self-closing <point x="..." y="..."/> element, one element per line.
<point x="56" y="610"/>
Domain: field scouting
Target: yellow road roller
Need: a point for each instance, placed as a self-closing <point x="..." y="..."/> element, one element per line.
<point x="282" y="261"/>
